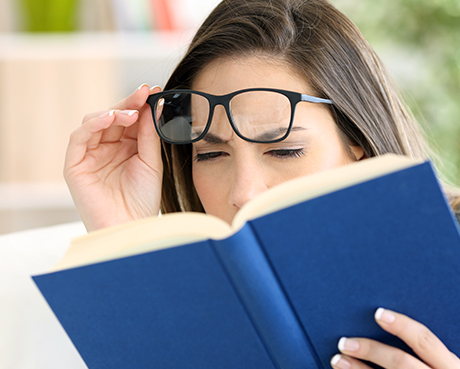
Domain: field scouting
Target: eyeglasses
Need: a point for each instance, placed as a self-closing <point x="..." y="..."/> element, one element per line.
<point x="261" y="115"/>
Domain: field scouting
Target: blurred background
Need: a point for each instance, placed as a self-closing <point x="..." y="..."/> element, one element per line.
<point x="60" y="59"/>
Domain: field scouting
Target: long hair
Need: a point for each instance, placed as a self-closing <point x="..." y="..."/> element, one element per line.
<point x="320" y="43"/>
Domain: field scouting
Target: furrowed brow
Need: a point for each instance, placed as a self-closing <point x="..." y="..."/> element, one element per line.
<point x="213" y="139"/>
<point x="273" y="134"/>
<point x="266" y="136"/>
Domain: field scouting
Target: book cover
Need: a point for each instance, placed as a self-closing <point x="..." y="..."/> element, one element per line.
<point x="279" y="292"/>
<point x="391" y="242"/>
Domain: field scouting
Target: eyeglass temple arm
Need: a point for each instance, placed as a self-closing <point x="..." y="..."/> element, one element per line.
<point x="315" y="99"/>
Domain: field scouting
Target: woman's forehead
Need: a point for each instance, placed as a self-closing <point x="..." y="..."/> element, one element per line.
<point x="225" y="75"/>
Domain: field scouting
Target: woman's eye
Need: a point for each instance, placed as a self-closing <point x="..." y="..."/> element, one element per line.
<point x="208" y="156"/>
<point x="287" y="153"/>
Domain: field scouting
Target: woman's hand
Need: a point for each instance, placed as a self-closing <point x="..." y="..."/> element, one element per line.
<point x="113" y="164"/>
<point x="425" y="344"/>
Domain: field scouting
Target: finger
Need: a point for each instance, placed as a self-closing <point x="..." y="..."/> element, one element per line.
<point x="378" y="353"/>
<point x="160" y="104"/>
<point x="155" y="89"/>
<point x="123" y="119"/>
<point x="121" y="103"/>
<point x="90" y="135"/>
<point x="92" y="115"/>
<point x="114" y="131"/>
<point x="346" y="362"/>
<point x="418" y="337"/>
<point x="149" y="145"/>
<point x="86" y="135"/>
<point x="136" y="100"/>
<point x="132" y="131"/>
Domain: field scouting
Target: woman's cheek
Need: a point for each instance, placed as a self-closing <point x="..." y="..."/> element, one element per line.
<point x="209" y="185"/>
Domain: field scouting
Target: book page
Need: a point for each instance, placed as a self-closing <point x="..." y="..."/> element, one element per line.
<point x="304" y="188"/>
<point x="142" y="236"/>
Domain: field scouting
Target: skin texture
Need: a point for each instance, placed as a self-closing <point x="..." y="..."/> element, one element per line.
<point x="113" y="164"/>
<point x="114" y="171"/>
<point x="230" y="173"/>
<point x="418" y="337"/>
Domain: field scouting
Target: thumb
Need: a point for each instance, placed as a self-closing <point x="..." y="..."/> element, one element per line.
<point x="149" y="143"/>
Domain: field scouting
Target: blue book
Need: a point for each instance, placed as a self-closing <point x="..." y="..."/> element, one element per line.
<point x="304" y="264"/>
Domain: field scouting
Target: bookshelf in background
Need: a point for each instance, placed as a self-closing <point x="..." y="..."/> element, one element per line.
<point x="49" y="82"/>
<point x="102" y="15"/>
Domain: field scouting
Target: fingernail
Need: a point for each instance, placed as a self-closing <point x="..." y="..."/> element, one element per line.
<point x="129" y="112"/>
<point x="107" y="114"/>
<point x="142" y="85"/>
<point x="384" y="315"/>
<point x="154" y="87"/>
<point x="340" y="362"/>
<point x="348" y="344"/>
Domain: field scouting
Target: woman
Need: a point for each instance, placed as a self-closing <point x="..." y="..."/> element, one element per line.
<point x="119" y="170"/>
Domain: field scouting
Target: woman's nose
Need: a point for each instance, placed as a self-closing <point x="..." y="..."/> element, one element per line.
<point x="248" y="182"/>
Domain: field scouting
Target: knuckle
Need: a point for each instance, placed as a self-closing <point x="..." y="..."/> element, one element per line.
<point x="87" y="117"/>
<point x="425" y="340"/>
<point x="73" y="135"/>
<point x="92" y="115"/>
<point x="403" y="360"/>
<point x="366" y="347"/>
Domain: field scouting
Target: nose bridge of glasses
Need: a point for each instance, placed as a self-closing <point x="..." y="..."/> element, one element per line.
<point x="219" y="120"/>
<point x="224" y="102"/>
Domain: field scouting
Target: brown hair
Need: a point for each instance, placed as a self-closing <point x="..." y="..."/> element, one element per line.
<point x="319" y="42"/>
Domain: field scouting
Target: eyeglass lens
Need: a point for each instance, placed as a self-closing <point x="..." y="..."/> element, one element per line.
<point x="256" y="115"/>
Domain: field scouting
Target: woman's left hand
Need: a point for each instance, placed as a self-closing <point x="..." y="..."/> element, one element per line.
<point x="432" y="352"/>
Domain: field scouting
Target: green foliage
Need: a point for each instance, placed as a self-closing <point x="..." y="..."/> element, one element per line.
<point x="425" y="34"/>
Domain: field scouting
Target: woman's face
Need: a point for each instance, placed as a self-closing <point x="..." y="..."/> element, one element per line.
<point x="228" y="171"/>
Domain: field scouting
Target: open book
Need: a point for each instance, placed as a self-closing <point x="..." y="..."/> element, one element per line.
<point x="303" y="264"/>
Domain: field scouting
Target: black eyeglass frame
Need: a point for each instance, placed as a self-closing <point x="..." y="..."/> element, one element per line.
<point x="224" y="100"/>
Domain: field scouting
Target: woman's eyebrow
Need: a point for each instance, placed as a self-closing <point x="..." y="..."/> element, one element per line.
<point x="266" y="136"/>
<point x="275" y="133"/>
<point x="213" y="139"/>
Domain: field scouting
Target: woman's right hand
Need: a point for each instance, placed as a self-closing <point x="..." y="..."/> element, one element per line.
<point x="113" y="163"/>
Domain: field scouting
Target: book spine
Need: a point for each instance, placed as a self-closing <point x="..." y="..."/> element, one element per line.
<point x="264" y="301"/>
